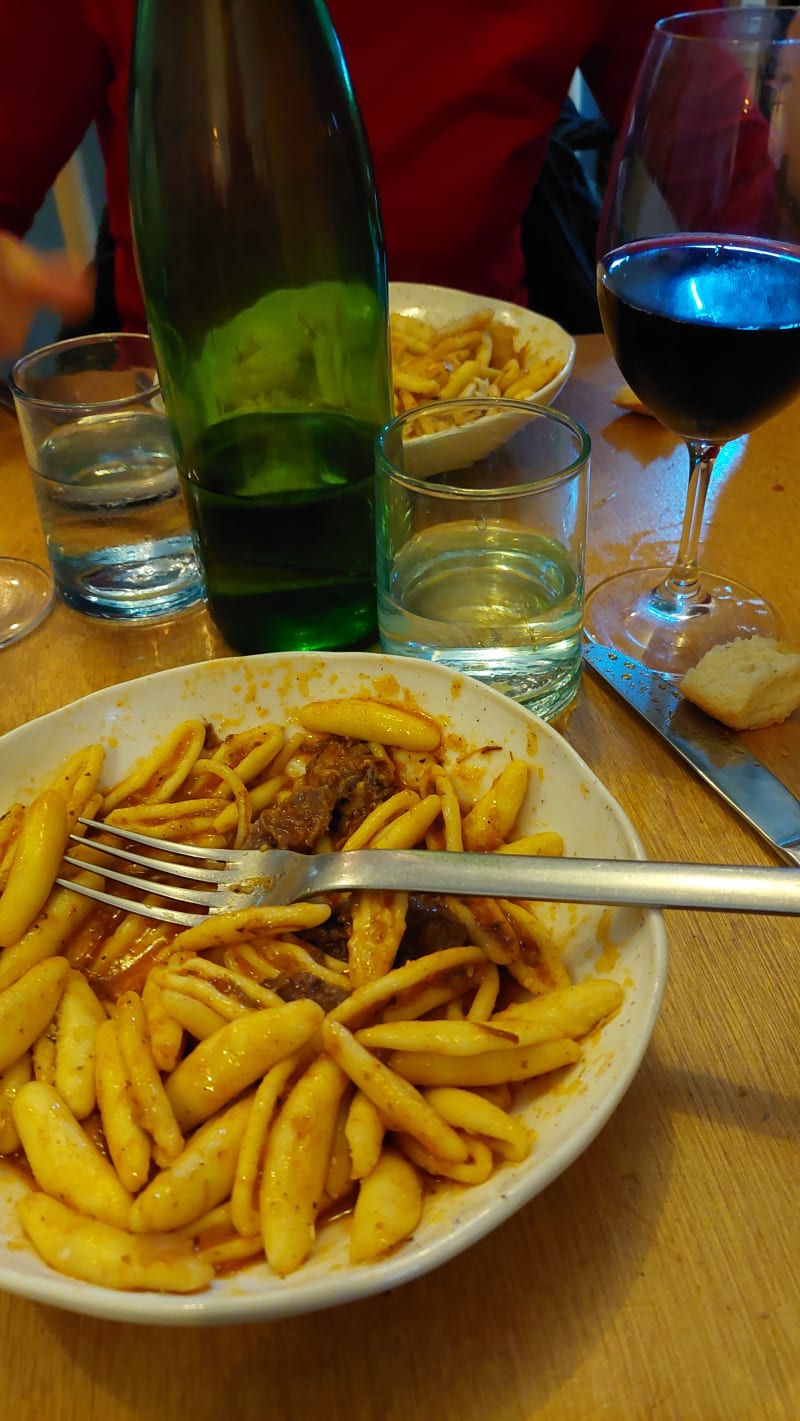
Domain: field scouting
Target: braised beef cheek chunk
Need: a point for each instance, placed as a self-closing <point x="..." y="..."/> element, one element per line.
<point x="430" y="927"/>
<point x="305" y="986"/>
<point x="343" y="783"/>
<point x="333" y="936"/>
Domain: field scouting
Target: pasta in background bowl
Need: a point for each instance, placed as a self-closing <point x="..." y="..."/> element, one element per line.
<point x="500" y="348"/>
<point x="483" y="730"/>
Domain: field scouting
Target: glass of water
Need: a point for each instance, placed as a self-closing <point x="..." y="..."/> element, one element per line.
<point x="104" y="472"/>
<point x="481" y="542"/>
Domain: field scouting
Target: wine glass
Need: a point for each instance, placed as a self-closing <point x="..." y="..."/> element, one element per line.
<point x="26" y="596"/>
<point x="699" y="292"/>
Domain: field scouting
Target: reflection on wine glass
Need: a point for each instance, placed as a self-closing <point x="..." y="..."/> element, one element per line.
<point x="699" y="291"/>
<point x="26" y="596"/>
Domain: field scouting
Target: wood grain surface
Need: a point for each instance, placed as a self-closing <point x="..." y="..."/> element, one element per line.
<point x="657" y="1279"/>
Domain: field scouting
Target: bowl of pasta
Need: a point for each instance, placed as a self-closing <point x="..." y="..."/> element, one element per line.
<point x="280" y="1109"/>
<point x="448" y="344"/>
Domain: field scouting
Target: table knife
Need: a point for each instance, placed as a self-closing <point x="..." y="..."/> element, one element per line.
<point x="717" y="754"/>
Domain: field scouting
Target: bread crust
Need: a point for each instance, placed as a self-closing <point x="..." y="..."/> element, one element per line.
<point x="747" y="684"/>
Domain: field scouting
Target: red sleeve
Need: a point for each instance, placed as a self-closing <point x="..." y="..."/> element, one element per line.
<point x="611" y="66"/>
<point x="54" y="71"/>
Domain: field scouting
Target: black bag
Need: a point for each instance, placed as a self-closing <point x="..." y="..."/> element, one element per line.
<point x="559" y="226"/>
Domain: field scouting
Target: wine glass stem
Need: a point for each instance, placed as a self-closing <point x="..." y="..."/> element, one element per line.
<point x="682" y="590"/>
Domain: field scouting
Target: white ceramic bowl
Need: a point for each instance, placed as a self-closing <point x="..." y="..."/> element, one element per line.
<point x="428" y="454"/>
<point x="627" y="944"/>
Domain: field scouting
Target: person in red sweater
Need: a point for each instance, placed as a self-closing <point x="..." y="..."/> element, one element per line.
<point x="457" y="98"/>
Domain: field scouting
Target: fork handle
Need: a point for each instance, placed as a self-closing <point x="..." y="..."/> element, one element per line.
<point x="719" y="887"/>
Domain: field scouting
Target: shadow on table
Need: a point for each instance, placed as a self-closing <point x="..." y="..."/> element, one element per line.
<point x="490" y="1335"/>
<point x="731" y="1102"/>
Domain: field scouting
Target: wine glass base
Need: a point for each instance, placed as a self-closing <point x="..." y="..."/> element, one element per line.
<point x="26" y="596"/>
<point x="625" y="612"/>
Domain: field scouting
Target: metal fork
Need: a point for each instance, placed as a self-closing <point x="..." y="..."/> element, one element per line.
<point x="244" y="878"/>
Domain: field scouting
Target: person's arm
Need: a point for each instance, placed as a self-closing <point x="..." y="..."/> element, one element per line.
<point x="30" y="281"/>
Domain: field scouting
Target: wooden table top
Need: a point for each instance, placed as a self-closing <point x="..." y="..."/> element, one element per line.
<point x="658" y="1277"/>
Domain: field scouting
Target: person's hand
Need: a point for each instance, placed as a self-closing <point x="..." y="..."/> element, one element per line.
<point x="31" y="281"/>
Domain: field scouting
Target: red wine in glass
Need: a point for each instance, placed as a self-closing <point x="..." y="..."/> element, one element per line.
<point x="706" y="328"/>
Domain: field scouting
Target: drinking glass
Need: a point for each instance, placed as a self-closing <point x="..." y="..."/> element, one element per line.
<point x="104" y="474"/>
<point x="699" y="292"/>
<point x="481" y="542"/>
<point x="26" y="596"/>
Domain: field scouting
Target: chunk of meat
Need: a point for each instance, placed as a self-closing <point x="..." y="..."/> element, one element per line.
<point x="342" y="784"/>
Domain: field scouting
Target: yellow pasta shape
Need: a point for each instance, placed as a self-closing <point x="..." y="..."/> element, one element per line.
<point x="295" y="1165"/>
<point x="546" y="844"/>
<point x="486" y="927"/>
<point x="228" y="993"/>
<point x="368" y="1000"/>
<point x="153" y="1104"/>
<point x="191" y="1015"/>
<point x="77" y="780"/>
<point x="110" y="1257"/>
<point x="10" y="1082"/>
<point x="36" y="862"/>
<point x="65" y="1163"/>
<point x="238" y="789"/>
<point x="164" y="1032"/>
<point x="518" y="1063"/>
<point x="160" y="774"/>
<point x="379" y="817"/>
<point x="474" y="1169"/>
<point x="226" y="929"/>
<point x="241" y="1052"/>
<point x="492" y="819"/>
<point x="128" y="1144"/>
<point x="378" y="924"/>
<point x="388" y="1207"/>
<point x="410" y="828"/>
<point x="449" y="1038"/>
<point x="78" y="1019"/>
<point x="400" y="1104"/>
<point x="43" y="1056"/>
<point x="338" y="1177"/>
<point x="539" y="968"/>
<point x="248" y="752"/>
<point x="451" y="811"/>
<point x="364" y="1130"/>
<point x="61" y="916"/>
<point x="27" y="1007"/>
<point x="245" y="1216"/>
<point x="485" y="999"/>
<point x="431" y="996"/>
<point x="224" y="1253"/>
<point x="122" y="943"/>
<point x="10" y="825"/>
<point x="465" y="1110"/>
<point x="373" y="720"/>
<point x="571" y="1011"/>
<point x="199" y="1179"/>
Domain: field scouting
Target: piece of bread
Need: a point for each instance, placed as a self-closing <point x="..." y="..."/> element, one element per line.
<point x="627" y="400"/>
<point x="747" y="683"/>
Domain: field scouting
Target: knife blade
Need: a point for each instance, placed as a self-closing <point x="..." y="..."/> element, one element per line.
<point x="714" y="752"/>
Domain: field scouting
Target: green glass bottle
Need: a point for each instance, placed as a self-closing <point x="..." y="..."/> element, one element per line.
<point x="260" y="253"/>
